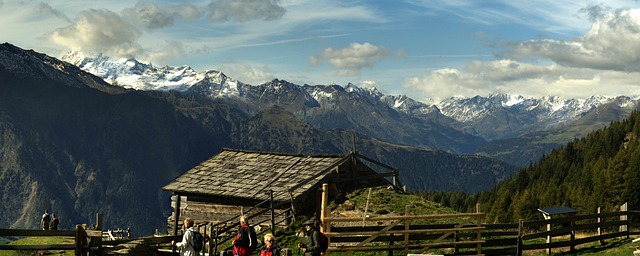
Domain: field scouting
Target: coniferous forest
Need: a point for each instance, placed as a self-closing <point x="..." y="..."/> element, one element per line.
<point x="601" y="169"/>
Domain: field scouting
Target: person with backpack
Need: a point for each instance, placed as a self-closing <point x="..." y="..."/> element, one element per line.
<point x="54" y="222"/>
<point x="46" y="220"/>
<point x="312" y="247"/>
<point x="186" y="247"/>
<point x="269" y="248"/>
<point x="246" y="240"/>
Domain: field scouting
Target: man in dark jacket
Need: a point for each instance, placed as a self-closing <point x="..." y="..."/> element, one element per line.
<point x="312" y="245"/>
<point x="242" y="244"/>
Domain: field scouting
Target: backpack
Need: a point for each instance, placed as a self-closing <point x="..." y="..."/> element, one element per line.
<point x="46" y="218"/>
<point x="324" y="242"/>
<point x="253" y="238"/>
<point x="197" y="241"/>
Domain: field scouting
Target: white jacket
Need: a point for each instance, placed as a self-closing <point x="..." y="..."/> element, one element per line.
<point x="186" y="246"/>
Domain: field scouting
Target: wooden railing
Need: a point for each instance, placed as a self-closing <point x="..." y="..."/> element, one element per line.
<point x="401" y="232"/>
<point x="222" y="232"/>
<point x="464" y="234"/>
<point x="85" y="241"/>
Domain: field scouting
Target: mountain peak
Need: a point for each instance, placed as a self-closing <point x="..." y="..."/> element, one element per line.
<point x="32" y="65"/>
<point x="133" y="74"/>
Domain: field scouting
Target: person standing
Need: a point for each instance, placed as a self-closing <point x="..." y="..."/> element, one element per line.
<point x="312" y="246"/>
<point x="46" y="219"/>
<point x="242" y="243"/>
<point x="186" y="246"/>
<point x="270" y="248"/>
<point x="54" y="222"/>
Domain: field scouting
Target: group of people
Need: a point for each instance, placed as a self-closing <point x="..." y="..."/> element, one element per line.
<point x="49" y="222"/>
<point x="242" y="242"/>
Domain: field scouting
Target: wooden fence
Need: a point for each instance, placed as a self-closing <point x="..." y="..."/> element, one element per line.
<point x="464" y="234"/>
<point x="86" y="241"/>
<point x="449" y="234"/>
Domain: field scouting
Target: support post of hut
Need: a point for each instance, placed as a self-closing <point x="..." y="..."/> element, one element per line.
<point x="97" y="241"/>
<point x="324" y="228"/>
<point x="176" y="218"/>
<point x="323" y="206"/>
<point x="176" y="215"/>
<point x="273" y="213"/>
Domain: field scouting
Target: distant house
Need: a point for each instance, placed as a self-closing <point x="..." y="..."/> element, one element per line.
<point x="233" y="181"/>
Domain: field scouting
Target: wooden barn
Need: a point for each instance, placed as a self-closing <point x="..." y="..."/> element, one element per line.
<point x="235" y="182"/>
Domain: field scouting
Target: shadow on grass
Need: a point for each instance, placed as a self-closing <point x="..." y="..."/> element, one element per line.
<point x="598" y="248"/>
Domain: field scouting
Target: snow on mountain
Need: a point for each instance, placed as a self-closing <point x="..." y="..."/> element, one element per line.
<point x="514" y="112"/>
<point x="132" y="74"/>
<point x="551" y="109"/>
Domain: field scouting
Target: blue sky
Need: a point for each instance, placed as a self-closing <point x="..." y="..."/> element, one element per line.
<point x="421" y="48"/>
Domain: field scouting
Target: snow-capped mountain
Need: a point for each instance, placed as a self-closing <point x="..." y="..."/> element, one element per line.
<point x="494" y="117"/>
<point x="132" y="74"/>
<point x="502" y="116"/>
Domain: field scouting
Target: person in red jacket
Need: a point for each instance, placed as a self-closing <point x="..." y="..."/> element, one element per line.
<point x="242" y="243"/>
<point x="270" y="248"/>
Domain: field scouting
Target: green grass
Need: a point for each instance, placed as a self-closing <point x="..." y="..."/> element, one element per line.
<point x="610" y="247"/>
<point x="40" y="240"/>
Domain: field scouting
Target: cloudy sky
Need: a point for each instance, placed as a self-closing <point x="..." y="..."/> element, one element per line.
<point x="425" y="49"/>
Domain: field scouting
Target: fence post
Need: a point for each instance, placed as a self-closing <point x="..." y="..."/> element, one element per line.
<point x="215" y="239"/>
<point x="519" y="242"/>
<point x="479" y="234"/>
<point x="548" y="218"/>
<point x="80" y="241"/>
<point x="390" y="252"/>
<point x="573" y="234"/>
<point x="624" y="218"/>
<point x="599" y="226"/>
<point x="406" y="229"/>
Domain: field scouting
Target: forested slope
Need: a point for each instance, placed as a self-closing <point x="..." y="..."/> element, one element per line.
<point x="601" y="169"/>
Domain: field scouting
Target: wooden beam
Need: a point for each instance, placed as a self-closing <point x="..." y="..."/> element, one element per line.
<point x="411" y="231"/>
<point x="33" y="232"/>
<point x="414" y="217"/>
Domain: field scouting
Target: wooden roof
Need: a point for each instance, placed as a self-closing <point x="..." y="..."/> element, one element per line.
<point x="250" y="175"/>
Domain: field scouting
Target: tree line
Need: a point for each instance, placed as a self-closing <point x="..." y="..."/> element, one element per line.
<point x="601" y="169"/>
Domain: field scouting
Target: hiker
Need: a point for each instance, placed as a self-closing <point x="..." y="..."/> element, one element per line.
<point x="269" y="248"/>
<point x="54" y="222"/>
<point x="243" y="244"/>
<point x="186" y="246"/>
<point x="312" y="246"/>
<point x="46" y="219"/>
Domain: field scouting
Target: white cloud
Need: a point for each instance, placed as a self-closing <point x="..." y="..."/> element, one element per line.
<point x="170" y="51"/>
<point x="533" y="13"/>
<point x="248" y="74"/>
<point x="148" y="15"/>
<point x="245" y="10"/>
<point x="45" y="8"/>
<point x="512" y="77"/>
<point x="604" y="61"/>
<point x="99" y="31"/>
<point x="612" y="43"/>
<point x="351" y="60"/>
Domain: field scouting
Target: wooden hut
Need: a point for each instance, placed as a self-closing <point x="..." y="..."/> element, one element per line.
<point x="234" y="181"/>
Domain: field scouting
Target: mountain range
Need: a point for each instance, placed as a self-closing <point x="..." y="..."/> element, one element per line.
<point x="512" y="128"/>
<point x="79" y="143"/>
